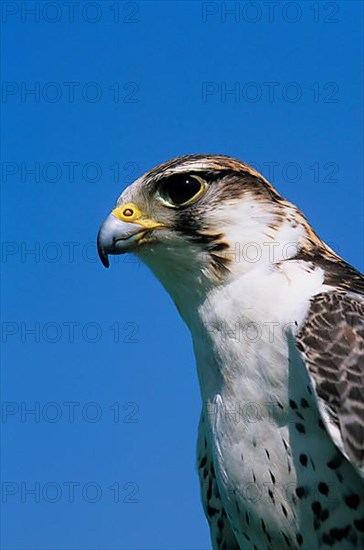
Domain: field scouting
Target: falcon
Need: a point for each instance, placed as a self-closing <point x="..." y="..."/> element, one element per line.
<point x="276" y="319"/>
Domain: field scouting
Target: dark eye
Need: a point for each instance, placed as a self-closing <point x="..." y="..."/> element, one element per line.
<point x="181" y="189"/>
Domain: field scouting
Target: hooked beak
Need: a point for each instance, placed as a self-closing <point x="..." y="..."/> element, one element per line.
<point x="123" y="230"/>
<point x="117" y="237"/>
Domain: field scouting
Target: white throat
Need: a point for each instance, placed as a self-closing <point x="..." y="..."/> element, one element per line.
<point x="257" y="242"/>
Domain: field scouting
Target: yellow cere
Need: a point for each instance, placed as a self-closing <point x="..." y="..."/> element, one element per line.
<point x="131" y="213"/>
<point x="127" y="213"/>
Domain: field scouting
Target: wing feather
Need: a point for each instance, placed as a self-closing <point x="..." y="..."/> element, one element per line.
<point x="332" y="344"/>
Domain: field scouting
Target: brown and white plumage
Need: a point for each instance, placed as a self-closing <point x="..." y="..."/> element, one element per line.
<point x="193" y="220"/>
<point x="332" y="343"/>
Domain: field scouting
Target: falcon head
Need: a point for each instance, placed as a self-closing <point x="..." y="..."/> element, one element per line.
<point x="198" y="220"/>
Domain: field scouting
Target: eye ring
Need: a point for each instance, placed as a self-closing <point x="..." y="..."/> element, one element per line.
<point x="180" y="190"/>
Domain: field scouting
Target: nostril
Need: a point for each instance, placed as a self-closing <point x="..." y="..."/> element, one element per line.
<point x="128" y="212"/>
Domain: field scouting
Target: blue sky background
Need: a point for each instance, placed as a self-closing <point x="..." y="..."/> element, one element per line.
<point x="149" y="82"/>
